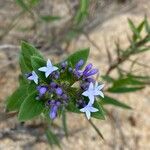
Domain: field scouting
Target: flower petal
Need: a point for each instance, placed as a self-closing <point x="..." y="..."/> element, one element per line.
<point x="101" y="94"/>
<point x="91" y="97"/>
<point x="43" y="69"/>
<point x="36" y="80"/>
<point x="88" y="114"/>
<point x="82" y="109"/>
<point x="92" y="109"/>
<point x="91" y="86"/>
<point x="100" y="86"/>
<point x="54" y="68"/>
<point x="49" y="64"/>
<point x="31" y="77"/>
<point x="47" y="73"/>
<point x="86" y="93"/>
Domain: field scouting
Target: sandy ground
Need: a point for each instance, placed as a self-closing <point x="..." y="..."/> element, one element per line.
<point x="133" y="130"/>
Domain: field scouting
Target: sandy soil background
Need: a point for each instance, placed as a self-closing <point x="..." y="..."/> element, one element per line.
<point x="132" y="130"/>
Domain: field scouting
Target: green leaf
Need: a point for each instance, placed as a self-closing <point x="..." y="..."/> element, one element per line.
<point x="24" y="68"/>
<point x="127" y="80"/>
<point x="82" y="12"/>
<point x="136" y="33"/>
<point x="16" y="99"/>
<point x="33" y="3"/>
<point x="140" y="26"/>
<point x="108" y="78"/>
<point x="141" y="49"/>
<point x="27" y="51"/>
<point x="22" y="80"/>
<point x="99" y="114"/>
<point x="64" y="122"/>
<point x="31" y="107"/>
<point x="52" y="138"/>
<point x="22" y="4"/>
<point x="96" y="129"/>
<point x="36" y="64"/>
<point x="75" y="57"/>
<point x="72" y="108"/>
<point x="109" y="100"/>
<point x="124" y="89"/>
<point x="49" y="18"/>
<point x="147" y="26"/>
<point x="27" y="5"/>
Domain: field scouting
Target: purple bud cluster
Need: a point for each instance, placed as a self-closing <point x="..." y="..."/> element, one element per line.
<point x="54" y="106"/>
<point x="57" y="93"/>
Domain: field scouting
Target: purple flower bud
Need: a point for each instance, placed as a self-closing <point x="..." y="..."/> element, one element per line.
<point x="53" y="112"/>
<point x="58" y="103"/>
<point x="28" y="74"/>
<point x="42" y="90"/>
<point x="64" y="65"/>
<point x="77" y="73"/>
<point x="51" y="102"/>
<point x="87" y="68"/>
<point x="90" y="73"/>
<point x="90" y="80"/>
<point x="53" y="85"/>
<point x="81" y="103"/>
<point x="84" y="86"/>
<point x="79" y="64"/>
<point x="56" y="75"/>
<point x="64" y="97"/>
<point x="59" y="91"/>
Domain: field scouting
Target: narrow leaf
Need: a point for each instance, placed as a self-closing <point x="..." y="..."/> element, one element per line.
<point x="109" y="100"/>
<point x="64" y="122"/>
<point x="124" y="89"/>
<point x="22" y="4"/>
<point x="147" y="26"/>
<point x="49" y="18"/>
<point x="96" y="129"/>
<point x="52" y="138"/>
<point x="135" y="31"/>
<point x="82" y="12"/>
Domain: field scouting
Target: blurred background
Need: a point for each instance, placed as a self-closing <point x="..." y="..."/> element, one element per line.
<point x="58" y="28"/>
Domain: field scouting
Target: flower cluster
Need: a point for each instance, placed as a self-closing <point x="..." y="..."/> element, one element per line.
<point x="57" y="93"/>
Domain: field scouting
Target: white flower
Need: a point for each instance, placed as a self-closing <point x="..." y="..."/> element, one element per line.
<point x="48" y="69"/>
<point x="33" y="77"/>
<point x="88" y="109"/>
<point x="93" y="91"/>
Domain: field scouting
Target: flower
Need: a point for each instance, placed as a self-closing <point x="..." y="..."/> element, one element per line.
<point x="79" y="64"/>
<point x="42" y="90"/>
<point x="90" y="73"/>
<point x="93" y="91"/>
<point x="88" y="109"/>
<point x="33" y="76"/>
<point x="59" y="91"/>
<point x="48" y="69"/>
<point x="64" y="66"/>
<point x="54" y="108"/>
<point x="77" y="72"/>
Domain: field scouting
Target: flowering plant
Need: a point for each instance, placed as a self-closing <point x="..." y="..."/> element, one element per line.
<point x="51" y="89"/>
